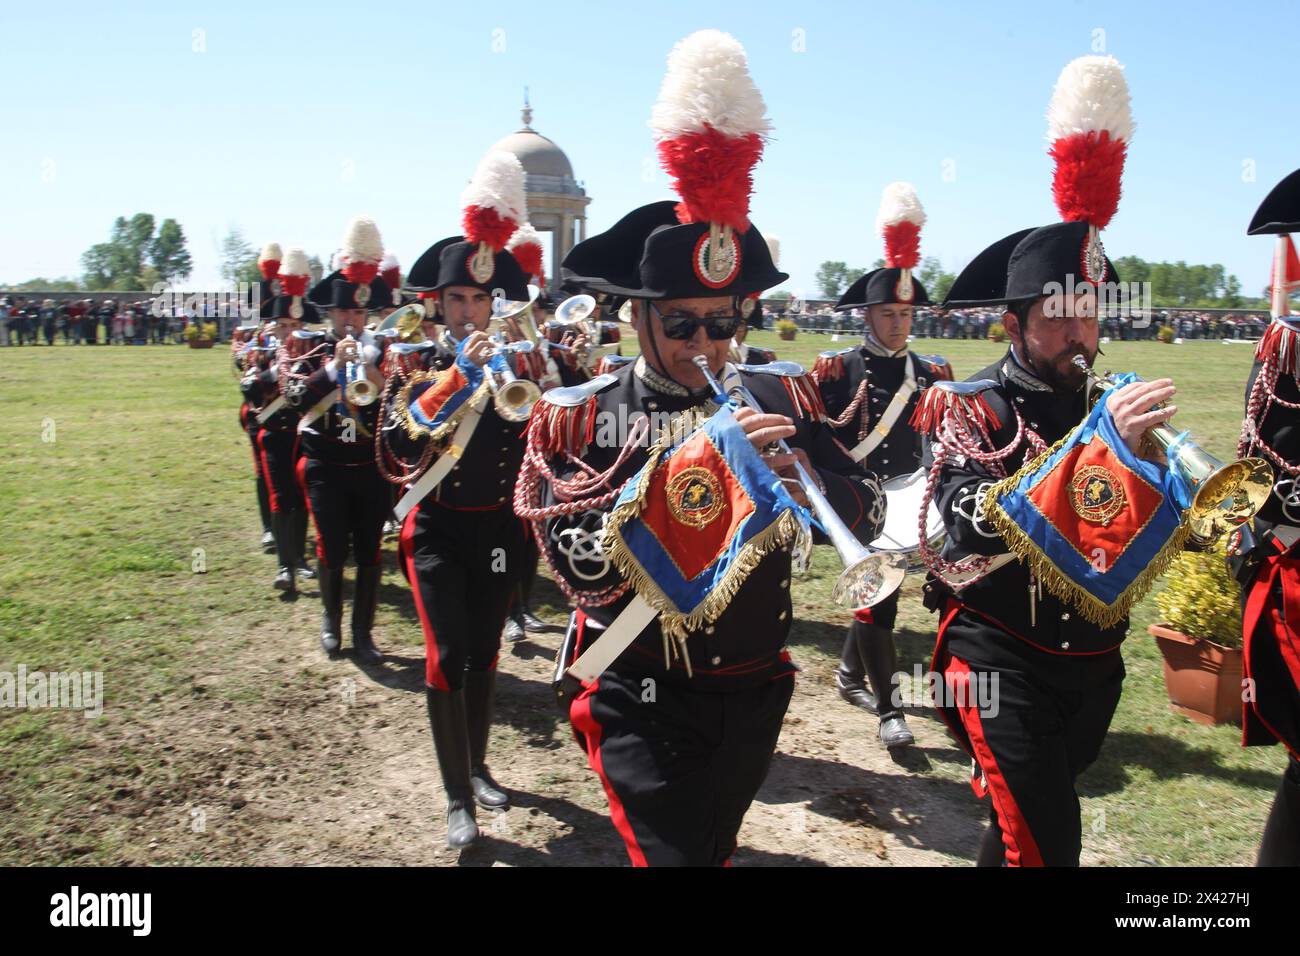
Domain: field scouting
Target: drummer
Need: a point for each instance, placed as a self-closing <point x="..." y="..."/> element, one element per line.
<point x="870" y="393"/>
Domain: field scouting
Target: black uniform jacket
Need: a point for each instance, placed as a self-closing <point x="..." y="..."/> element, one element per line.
<point x="344" y="434"/>
<point x="744" y="646"/>
<point x="899" y="452"/>
<point x="1003" y="596"/>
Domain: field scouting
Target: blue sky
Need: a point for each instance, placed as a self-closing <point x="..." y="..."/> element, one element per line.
<point x="287" y="120"/>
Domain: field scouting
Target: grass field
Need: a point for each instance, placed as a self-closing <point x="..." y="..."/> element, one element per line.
<point x="126" y="475"/>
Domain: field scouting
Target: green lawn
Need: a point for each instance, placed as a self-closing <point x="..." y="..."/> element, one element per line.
<point x="148" y="472"/>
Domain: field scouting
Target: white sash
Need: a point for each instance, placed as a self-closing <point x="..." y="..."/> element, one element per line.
<point x="438" y="471"/>
<point x="887" y="420"/>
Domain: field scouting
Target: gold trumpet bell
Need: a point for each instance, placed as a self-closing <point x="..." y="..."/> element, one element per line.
<point x="869" y="580"/>
<point x="1227" y="495"/>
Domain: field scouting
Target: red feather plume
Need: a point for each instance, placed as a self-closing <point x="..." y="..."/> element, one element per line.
<point x="294" y="285"/>
<point x="361" y="273"/>
<point x="713" y="174"/>
<point x="269" y="267"/>
<point x="903" y="245"/>
<point x="485" y="224"/>
<point x="1086" y="182"/>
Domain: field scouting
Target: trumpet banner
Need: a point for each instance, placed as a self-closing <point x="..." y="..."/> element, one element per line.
<point x="433" y="403"/>
<point x="1095" y="523"/>
<point x="696" y="520"/>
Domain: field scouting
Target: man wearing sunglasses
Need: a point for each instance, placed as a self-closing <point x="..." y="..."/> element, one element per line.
<point x="681" y="746"/>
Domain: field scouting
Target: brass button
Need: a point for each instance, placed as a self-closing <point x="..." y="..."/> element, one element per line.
<point x="652" y="405"/>
<point x="1065" y="645"/>
<point x="455" y="484"/>
<point x="709" y="629"/>
<point x="1020" y="400"/>
<point x="717" y="661"/>
<point x="1065" y="615"/>
<point x="785" y="582"/>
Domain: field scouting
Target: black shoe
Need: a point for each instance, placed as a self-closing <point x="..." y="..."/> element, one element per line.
<point x="391" y="529"/>
<point x="331" y="596"/>
<point x="857" y="695"/>
<point x="363" y="614"/>
<point x="447" y="723"/>
<point x="894" y="731"/>
<point x="268" y="541"/>
<point x="480" y="697"/>
<point x="533" y="625"/>
<point x="850" y="676"/>
<point x="513" y="632"/>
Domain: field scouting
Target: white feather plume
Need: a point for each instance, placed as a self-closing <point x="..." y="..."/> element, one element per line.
<point x="361" y="243"/>
<point x="270" y="253"/>
<point x="899" y="203"/>
<point x="708" y="82"/>
<point x="295" y="263"/>
<point x="388" y="262"/>
<point x="774" y="249"/>
<point x="498" y="184"/>
<point x="1091" y="95"/>
<point x="524" y="235"/>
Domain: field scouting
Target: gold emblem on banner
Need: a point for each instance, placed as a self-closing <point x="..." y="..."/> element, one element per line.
<point x="1096" y="494"/>
<point x="695" y="497"/>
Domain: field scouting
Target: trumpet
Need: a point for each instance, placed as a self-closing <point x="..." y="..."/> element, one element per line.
<point x="1225" y="495"/>
<point x="357" y="387"/>
<point x="512" y="397"/>
<point x="869" y="575"/>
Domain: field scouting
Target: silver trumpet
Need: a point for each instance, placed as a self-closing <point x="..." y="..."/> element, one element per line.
<point x="357" y="388"/>
<point x="512" y="397"/>
<point x="869" y="576"/>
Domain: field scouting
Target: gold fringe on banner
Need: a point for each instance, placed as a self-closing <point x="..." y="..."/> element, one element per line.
<point x="417" y="431"/>
<point x="675" y="623"/>
<point x="1057" y="582"/>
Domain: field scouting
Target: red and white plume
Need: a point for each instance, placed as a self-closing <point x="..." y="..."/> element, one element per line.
<point x="390" y="271"/>
<point x="1284" y="278"/>
<point x="362" y="252"/>
<point x="493" y="202"/>
<point x="899" y="220"/>
<point x="268" y="261"/>
<point x="526" y="246"/>
<point x="1089" y="127"/>
<point x="295" y="273"/>
<point x="710" y="124"/>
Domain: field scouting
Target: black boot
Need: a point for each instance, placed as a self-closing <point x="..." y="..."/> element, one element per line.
<point x="331" y="596"/>
<point x="282" y="523"/>
<point x="363" y="614"/>
<point x="1280" y="845"/>
<point x="850" y="676"/>
<point x="264" y="509"/>
<point x="480" y="696"/>
<point x="992" y="851"/>
<point x="451" y="745"/>
<point x="881" y="658"/>
<point x="303" y="569"/>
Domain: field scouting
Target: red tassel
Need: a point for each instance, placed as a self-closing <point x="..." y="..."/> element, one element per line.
<point x="1279" y="342"/>
<point x="529" y="257"/>
<point x="294" y="285"/>
<point x="902" y="245"/>
<point x="361" y="273"/>
<point x="1086" y="183"/>
<point x="828" y="368"/>
<point x="805" y="397"/>
<point x="713" y="174"/>
<point x="937" y="404"/>
<point x="269" y="268"/>
<point x="392" y="277"/>
<point x="484" y="224"/>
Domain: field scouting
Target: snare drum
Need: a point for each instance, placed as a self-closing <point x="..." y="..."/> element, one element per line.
<point x="901" y="533"/>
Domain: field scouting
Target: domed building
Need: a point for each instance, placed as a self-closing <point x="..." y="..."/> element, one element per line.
<point x="557" y="203"/>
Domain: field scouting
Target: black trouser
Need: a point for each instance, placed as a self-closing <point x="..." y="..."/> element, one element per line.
<point x="680" y="766"/>
<point x="463" y="567"/>
<point x="276" y="455"/>
<point x="1033" y="721"/>
<point x="349" y="504"/>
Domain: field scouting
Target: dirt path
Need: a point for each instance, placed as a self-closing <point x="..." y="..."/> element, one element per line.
<point x="275" y="755"/>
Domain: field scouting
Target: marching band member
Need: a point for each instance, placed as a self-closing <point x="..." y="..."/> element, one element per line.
<point x="348" y="498"/>
<point x="276" y="421"/>
<point x="462" y="548"/>
<point x="1270" y="570"/>
<point x="870" y="393"/>
<point x="244" y="359"/>
<point x="1029" y="649"/>
<point x="681" y="718"/>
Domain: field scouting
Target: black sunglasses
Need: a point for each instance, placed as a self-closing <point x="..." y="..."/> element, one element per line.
<point x="680" y="327"/>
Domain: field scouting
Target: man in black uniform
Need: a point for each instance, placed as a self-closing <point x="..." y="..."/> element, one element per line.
<point x="348" y="497"/>
<point x="681" y="740"/>
<point x="1270" y="568"/>
<point x="870" y="393"/>
<point x="248" y="355"/>
<point x="462" y="548"/>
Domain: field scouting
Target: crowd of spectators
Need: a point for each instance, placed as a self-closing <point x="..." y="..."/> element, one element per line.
<point x="36" y="321"/>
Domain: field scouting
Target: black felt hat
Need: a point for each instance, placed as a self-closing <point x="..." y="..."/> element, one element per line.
<point x="282" y="307"/>
<point x="1280" y="210"/>
<point x="881" y="287"/>
<point x="643" y="257"/>
<point x="460" y="262"/>
<point x="423" y="276"/>
<point x="336" y="292"/>
<point x="1022" y="266"/>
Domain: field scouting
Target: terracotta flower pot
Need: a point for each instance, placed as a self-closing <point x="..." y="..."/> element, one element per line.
<point x="1203" y="679"/>
<point x="202" y="343"/>
<point x="787" y="335"/>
